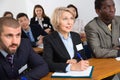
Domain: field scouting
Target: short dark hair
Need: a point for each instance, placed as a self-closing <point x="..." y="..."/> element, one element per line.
<point x="98" y="4"/>
<point x="21" y="15"/>
<point x="8" y="21"/>
<point x="8" y="12"/>
<point x="71" y="5"/>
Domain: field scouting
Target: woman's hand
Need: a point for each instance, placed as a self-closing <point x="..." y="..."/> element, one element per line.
<point x="71" y="61"/>
<point x="81" y="65"/>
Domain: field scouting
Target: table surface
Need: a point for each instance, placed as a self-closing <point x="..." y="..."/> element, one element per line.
<point x="102" y="68"/>
<point x="38" y="50"/>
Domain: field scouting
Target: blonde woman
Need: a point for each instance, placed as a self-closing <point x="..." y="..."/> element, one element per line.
<point x="60" y="47"/>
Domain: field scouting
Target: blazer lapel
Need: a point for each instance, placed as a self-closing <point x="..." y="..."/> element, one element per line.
<point x="103" y="26"/>
<point x="74" y="44"/>
<point x="60" y="46"/>
<point x="115" y="35"/>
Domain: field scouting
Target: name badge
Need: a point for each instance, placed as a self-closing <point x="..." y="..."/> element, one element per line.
<point x="79" y="47"/>
<point x="22" y="69"/>
<point x="119" y="40"/>
<point x="45" y="25"/>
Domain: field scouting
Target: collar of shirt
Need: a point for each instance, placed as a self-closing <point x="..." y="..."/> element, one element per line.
<point x="62" y="37"/>
<point x="36" y="19"/>
<point x="68" y="44"/>
<point x="110" y="27"/>
<point x="28" y="30"/>
<point x="31" y="34"/>
<point x="4" y="53"/>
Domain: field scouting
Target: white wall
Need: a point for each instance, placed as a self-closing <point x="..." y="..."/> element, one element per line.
<point x="85" y="7"/>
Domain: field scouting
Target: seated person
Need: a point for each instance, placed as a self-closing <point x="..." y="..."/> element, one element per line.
<point x="8" y="14"/>
<point x="40" y="18"/>
<point x="32" y="32"/>
<point x="79" y="24"/>
<point x="17" y="58"/>
<point x="103" y="32"/>
<point x="61" y="47"/>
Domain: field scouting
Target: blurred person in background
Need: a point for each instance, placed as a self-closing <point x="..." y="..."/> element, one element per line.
<point x="33" y="32"/>
<point x="8" y="14"/>
<point x="39" y="17"/>
<point x="78" y="24"/>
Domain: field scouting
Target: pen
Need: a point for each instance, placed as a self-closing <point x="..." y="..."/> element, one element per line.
<point x="79" y="56"/>
<point x="23" y="78"/>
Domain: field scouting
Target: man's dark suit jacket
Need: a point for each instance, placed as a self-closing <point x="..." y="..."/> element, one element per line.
<point x="55" y="52"/>
<point x="46" y="23"/>
<point x="36" y="31"/>
<point x="24" y="55"/>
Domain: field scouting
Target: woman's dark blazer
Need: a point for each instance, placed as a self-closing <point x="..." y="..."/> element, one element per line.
<point x="46" y="23"/>
<point x="55" y="52"/>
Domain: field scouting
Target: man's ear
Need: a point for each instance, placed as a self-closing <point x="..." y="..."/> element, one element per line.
<point x="97" y="11"/>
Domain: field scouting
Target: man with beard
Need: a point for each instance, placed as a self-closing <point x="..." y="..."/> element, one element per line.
<point x="103" y="32"/>
<point x="23" y="62"/>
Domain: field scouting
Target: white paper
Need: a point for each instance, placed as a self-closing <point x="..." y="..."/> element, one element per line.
<point x="85" y="73"/>
<point x="117" y="58"/>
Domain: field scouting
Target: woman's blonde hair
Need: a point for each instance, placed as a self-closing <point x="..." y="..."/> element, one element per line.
<point x="55" y="20"/>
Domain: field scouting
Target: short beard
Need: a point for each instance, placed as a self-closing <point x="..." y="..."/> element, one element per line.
<point x="6" y="49"/>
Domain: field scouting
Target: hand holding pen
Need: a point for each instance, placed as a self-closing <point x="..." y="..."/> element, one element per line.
<point x="71" y="61"/>
<point x="81" y="65"/>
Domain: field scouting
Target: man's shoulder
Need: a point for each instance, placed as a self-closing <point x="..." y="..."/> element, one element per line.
<point x="25" y="46"/>
<point x="25" y="42"/>
<point x="92" y="23"/>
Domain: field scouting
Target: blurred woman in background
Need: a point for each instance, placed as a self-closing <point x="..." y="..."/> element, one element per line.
<point x="78" y="25"/>
<point x="39" y="17"/>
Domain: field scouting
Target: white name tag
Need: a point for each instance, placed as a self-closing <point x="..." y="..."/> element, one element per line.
<point x="119" y="40"/>
<point x="45" y="25"/>
<point x="79" y="47"/>
<point x="22" y="69"/>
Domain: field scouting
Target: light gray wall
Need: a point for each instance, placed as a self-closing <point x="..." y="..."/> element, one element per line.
<point x="85" y="7"/>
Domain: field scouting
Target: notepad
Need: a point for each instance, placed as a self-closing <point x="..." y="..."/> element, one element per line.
<point x="74" y="74"/>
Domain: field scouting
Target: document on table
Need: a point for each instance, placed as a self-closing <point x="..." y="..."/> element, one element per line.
<point x="117" y="58"/>
<point x="74" y="74"/>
